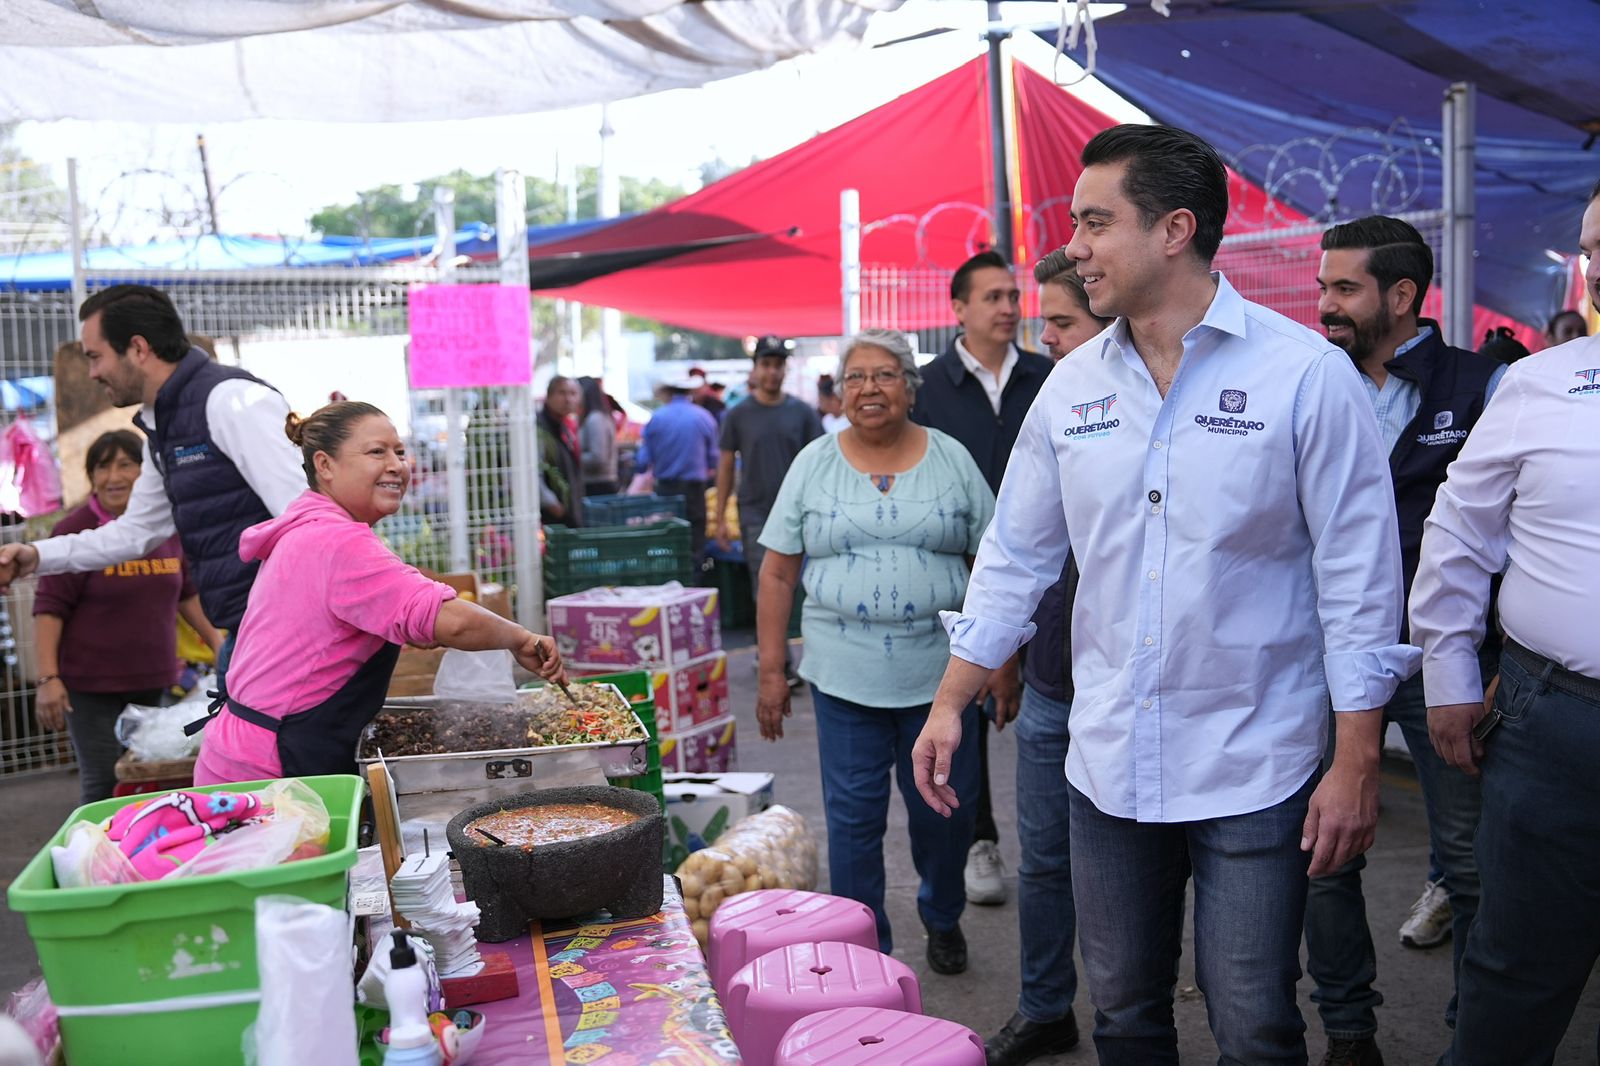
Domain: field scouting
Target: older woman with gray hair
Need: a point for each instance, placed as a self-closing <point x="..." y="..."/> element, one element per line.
<point x="879" y="522"/>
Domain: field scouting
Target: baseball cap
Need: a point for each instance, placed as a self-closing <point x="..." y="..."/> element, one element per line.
<point x="772" y="345"/>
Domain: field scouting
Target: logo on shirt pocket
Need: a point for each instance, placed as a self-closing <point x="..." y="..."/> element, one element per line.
<point x="1231" y="402"/>
<point x="1443" y="419"/>
<point x="1089" y="426"/>
<point x="1593" y="386"/>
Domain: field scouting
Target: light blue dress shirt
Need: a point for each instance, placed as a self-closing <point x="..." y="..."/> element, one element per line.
<point x="1239" y="554"/>
<point x="1398" y="402"/>
<point x="682" y="440"/>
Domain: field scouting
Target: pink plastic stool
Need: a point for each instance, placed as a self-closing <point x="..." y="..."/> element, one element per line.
<point x="774" y="991"/>
<point x="859" y="1036"/>
<point x="751" y="924"/>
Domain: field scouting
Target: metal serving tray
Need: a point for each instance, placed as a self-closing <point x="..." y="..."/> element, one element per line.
<point x="527" y="767"/>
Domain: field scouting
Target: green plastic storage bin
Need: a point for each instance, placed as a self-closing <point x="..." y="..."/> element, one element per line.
<point x="127" y="965"/>
<point x="649" y="554"/>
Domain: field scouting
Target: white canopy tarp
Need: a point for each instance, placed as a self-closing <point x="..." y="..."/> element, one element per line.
<point x="388" y="60"/>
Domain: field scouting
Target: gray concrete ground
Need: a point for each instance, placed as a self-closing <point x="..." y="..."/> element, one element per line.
<point x="1415" y="984"/>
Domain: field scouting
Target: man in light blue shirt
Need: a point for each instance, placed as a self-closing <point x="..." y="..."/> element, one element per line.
<point x="1217" y="471"/>
<point x="680" y="450"/>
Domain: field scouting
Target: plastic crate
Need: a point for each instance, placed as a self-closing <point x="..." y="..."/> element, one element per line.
<point x="650" y="554"/>
<point x="631" y="510"/>
<point x="155" y="944"/>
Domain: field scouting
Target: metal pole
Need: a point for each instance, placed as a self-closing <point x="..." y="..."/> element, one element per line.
<point x="511" y="244"/>
<point x="211" y="192"/>
<point x="850" y="258"/>
<point x="80" y="282"/>
<point x="455" y="439"/>
<point x="1004" y="242"/>
<point x="608" y="204"/>
<point x="1460" y="210"/>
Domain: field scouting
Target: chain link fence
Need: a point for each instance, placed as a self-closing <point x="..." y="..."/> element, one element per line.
<point x="308" y="332"/>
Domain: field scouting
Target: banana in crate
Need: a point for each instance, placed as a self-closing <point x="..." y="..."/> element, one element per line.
<point x="657" y="626"/>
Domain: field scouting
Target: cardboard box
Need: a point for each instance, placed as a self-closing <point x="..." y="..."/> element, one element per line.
<point x="652" y="625"/>
<point x="693" y="694"/>
<point x="701" y="806"/>
<point x="706" y="749"/>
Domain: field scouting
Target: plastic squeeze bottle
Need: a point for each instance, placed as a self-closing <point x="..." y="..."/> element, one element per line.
<point x="411" y="1041"/>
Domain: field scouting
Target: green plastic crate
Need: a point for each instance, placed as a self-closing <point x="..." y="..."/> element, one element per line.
<point x="156" y="943"/>
<point x="630" y="510"/>
<point x="649" y="554"/>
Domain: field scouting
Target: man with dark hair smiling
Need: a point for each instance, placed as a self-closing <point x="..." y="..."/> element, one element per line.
<point x="1427" y="396"/>
<point x="1216" y="471"/>
<point x="216" y="458"/>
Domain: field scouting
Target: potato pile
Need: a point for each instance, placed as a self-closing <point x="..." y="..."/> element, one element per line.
<point x="772" y="849"/>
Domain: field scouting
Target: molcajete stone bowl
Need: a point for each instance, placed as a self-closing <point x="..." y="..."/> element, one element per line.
<point x="618" y="871"/>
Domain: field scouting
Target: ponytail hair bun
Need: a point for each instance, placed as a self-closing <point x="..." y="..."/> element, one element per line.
<point x="294" y="427"/>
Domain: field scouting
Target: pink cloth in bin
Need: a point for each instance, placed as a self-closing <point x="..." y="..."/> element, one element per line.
<point x="874" y="1036"/>
<point x="161" y="834"/>
<point x="751" y="924"/>
<point x="770" y="994"/>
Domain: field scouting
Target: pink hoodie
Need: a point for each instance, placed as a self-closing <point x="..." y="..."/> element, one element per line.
<point x="329" y="594"/>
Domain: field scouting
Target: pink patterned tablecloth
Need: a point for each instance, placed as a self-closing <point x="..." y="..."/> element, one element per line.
<point x="613" y="993"/>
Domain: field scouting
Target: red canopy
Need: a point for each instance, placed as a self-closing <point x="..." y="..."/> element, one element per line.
<point x="925" y="149"/>
<point x="921" y="165"/>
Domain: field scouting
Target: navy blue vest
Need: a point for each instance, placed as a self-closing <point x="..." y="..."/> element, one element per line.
<point x="211" y="501"/>
<point x="1452" y="383"/>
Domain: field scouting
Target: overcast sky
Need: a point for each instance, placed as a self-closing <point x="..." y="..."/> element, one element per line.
<point x="275" y="174"/>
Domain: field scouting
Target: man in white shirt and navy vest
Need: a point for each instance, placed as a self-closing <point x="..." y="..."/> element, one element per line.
<point x="1216" y="470"/>
<point x="1521" y="499"/>
<point x="216" y="457"/>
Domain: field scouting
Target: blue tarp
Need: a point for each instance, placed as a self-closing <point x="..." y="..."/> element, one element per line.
<point x="53" y="270"/>
<point x="1331" y="80"/>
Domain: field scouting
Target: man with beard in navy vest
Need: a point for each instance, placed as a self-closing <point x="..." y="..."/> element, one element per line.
<point x="216" y="457"/>
<point x="1427" y="396"/>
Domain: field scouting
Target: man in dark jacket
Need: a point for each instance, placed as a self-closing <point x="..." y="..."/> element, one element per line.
<point x="216" y="456"/>
<point x="1426" y="396"/>
<point x="978" y="392"/>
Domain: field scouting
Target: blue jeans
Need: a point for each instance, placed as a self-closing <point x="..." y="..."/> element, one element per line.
<point x="859" y="746"/>
<point x="1044" y="880"/>
<point x="1537" y="933"/>
<point x="1339" y="954"/>
<point x="1250" y="889"/>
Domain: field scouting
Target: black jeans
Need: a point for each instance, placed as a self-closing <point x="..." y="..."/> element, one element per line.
<point x="694" y="504"/>
<point x="92" y="725"/>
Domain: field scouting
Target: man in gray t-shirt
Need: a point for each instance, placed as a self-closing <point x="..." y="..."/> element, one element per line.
<point x="765" y="433"/>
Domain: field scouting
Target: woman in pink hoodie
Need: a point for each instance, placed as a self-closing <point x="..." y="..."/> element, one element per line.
<point x="330" y="609"/>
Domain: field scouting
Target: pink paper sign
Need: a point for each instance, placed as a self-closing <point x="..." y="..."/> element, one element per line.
<point x="468" y="335"/>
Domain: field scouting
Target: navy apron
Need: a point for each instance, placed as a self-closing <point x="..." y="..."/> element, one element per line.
<point x="323" y="739"/>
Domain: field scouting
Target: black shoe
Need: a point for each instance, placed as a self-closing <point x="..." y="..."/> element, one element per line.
<point x="947" y="950"/>
<point x="1353" y="1053"/>
<point x="1023" y="1041"/>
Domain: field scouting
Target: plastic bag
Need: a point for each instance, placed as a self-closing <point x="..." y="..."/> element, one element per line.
<point x="89" y="857"/>
<point x="303" y="954"/>
<point x="297" y="829"/>
<point x="370" y="989"/>
<point x="155" y="734"/>
<point x="31" y="1008"/>
<point x="771" y="849"/>
<point x="476" y="677"/>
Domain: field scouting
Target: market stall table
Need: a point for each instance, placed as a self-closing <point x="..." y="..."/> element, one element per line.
<point x="609" y="993"/>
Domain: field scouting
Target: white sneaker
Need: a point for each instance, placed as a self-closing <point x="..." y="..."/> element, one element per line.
<point x="985" y="874"/>
<point x="1430" y="919"/>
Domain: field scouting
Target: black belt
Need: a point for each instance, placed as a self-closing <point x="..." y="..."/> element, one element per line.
<point x="1552" y="672"/>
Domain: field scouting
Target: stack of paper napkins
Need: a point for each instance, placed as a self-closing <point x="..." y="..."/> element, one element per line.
<point x="421" y="891"/>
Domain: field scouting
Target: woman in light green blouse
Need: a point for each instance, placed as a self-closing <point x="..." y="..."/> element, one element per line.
<point x="879" y="521"/>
